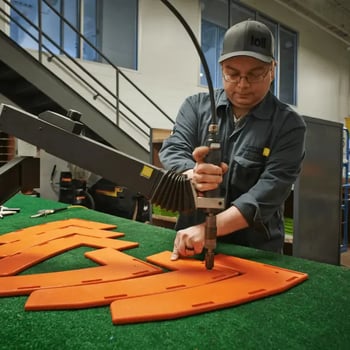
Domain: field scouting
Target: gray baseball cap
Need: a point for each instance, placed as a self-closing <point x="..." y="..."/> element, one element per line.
<point x="248" y="38"/>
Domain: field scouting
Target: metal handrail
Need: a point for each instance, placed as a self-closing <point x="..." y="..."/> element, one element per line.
<point x="76" y="74"/>
<point x="119" y="72"/>
<point x="84" y="70"/>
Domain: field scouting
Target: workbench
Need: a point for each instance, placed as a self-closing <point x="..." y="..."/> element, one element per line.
<point x="312" y="315"/>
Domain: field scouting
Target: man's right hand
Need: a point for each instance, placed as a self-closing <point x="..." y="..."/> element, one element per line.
<point x="206" y="176"/>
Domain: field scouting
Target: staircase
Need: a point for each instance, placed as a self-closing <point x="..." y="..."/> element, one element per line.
<point x="34" y="88"/>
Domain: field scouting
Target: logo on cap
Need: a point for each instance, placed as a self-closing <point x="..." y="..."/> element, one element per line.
<point x="259" y="42"/>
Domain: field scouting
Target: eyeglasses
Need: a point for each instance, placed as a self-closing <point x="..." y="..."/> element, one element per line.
<point x="250" y="77"/>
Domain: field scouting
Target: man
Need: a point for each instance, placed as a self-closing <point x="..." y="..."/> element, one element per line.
<point x="262" y="142"/>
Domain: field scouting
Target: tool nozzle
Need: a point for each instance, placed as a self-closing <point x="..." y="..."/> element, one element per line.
<point x="209" y="259"/>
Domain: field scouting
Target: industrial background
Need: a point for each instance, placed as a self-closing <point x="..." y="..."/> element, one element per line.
<point x="128" y="77"/>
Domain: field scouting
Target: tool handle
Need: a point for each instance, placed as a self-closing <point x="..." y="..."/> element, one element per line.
<point x="214" y="156"/>
<point x="210" y="239"/>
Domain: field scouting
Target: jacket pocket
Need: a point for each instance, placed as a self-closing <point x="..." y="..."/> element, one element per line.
<point x="245" y="173"/>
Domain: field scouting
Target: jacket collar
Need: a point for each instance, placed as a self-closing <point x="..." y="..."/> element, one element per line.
<point x="263" y="110"/>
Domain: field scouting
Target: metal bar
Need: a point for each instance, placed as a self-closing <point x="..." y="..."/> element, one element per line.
<point x="154" y="183"/>
<point x="80" y="150"/>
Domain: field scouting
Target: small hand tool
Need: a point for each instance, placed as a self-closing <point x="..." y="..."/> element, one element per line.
<point x="212" y="203"/>
<point x="45" y="212"/>
<point x="214" y="157"/>
<point x="4" y="211"/>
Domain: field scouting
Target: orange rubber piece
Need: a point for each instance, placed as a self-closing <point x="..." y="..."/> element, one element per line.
<point x="188" y="289"/>
<point x="14" y="264"/>
<point x="116" y="266"/>
<point x="40" y="229"/>
<point x="255" y="281"/>
<point x="31" y="240"/>
<point x="189" y="273"/>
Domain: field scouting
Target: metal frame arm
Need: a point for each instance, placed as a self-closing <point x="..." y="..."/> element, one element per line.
<point x="169" y="190"/>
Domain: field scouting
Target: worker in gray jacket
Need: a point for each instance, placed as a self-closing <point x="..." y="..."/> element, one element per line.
<point x="262" y="142"/>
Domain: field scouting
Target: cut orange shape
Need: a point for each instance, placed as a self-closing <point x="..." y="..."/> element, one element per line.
<point x="14" y="264"/>
<point x="255" y="281"/>
<point x="188" y="289"/>
<point x="40" y="238"/>
<point x="189" y="273"/>
<point x="40" y="229"/>
<point x="116" y="266"/>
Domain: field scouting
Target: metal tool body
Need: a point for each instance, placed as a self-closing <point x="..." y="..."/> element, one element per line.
<point x="212" y="202"/>
<point x="45" y="212"/>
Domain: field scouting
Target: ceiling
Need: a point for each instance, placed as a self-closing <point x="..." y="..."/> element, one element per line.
<point x="332" y="15"/>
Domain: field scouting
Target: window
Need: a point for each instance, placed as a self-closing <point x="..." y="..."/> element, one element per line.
<point x="26" y="17"/>
<point x="118" y="23"/>
<point x="110" y="26"/>
<point x="69" y="40"/>
<point x="288" y="65"/>
<point x="218" y="15"/>
<point x="212" y="37"/>
<point x="90" y="30"/>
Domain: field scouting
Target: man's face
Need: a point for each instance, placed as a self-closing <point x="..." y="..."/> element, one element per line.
<point x="247" y="81"/>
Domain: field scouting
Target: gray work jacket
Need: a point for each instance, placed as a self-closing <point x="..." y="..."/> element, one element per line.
<point x="264" y="152"/>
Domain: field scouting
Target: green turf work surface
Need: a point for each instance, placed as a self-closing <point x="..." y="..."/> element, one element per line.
<point x="312" y="315"/>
